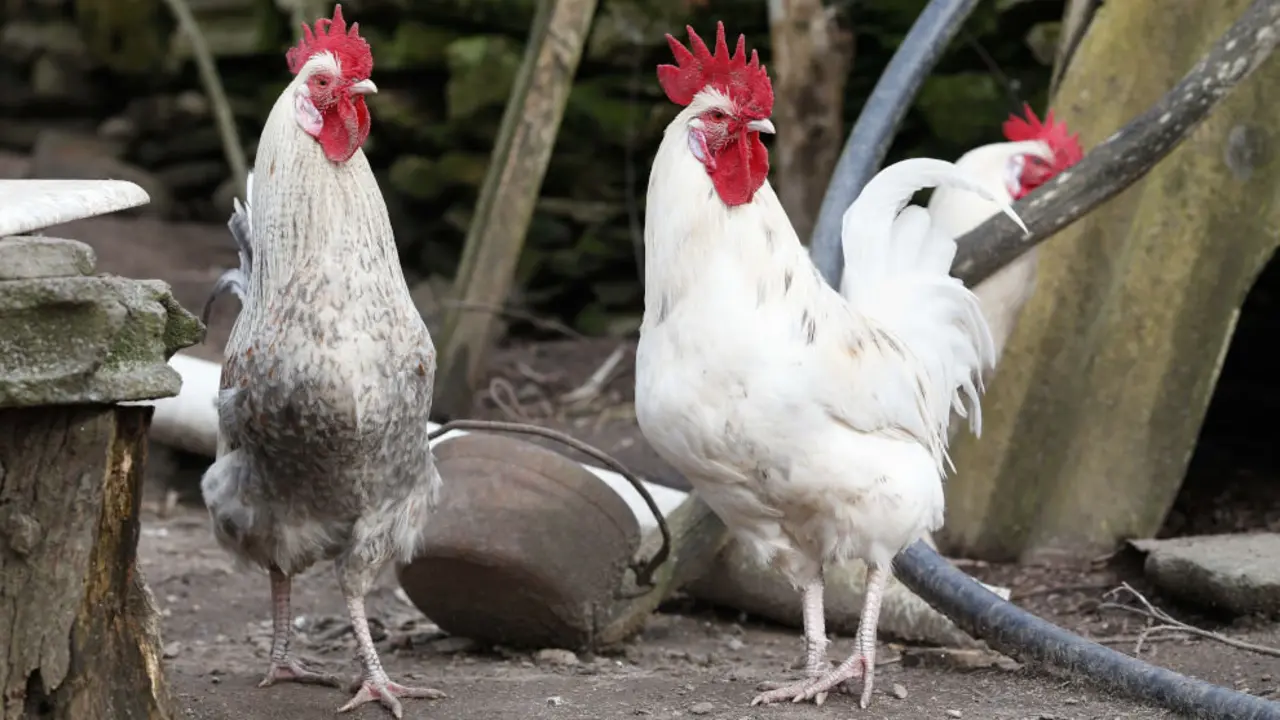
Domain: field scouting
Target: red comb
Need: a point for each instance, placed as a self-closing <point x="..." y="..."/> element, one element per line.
<point x="1066" y="147"/>
<point x="351" y="50"/>
<point x="746" y="83"/>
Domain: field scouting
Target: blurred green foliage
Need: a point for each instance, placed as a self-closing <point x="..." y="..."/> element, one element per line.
<point x="444" y="68"/>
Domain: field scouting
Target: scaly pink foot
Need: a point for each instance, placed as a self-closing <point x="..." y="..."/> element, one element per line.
<point x="778" y="692"/>
<point x="858" y="666"/>
<point x="387" y="692"/>
<point x="816" y="664"/>
<point x="285" y="667"/>
<point x="290" y="670"/>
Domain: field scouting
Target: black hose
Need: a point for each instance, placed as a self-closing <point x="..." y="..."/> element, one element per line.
<point x="1021" y="635"/>
<point x="872" y="134"/>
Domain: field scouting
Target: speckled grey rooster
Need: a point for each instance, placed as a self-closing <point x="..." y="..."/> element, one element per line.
<point x="326" y="385"/>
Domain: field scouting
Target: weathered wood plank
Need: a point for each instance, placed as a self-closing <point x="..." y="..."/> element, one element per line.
<point x="510" y="191"/>
<point x="81" y="638"/>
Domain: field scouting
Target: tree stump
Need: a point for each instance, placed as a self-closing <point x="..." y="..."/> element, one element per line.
<point x="80" y="632"/>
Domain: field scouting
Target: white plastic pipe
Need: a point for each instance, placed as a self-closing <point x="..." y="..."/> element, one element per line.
<point x="189" y="421"/>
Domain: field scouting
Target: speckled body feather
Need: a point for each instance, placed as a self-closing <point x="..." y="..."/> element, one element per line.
<point x="326" y="387"/>
<point x="328" y="374"/>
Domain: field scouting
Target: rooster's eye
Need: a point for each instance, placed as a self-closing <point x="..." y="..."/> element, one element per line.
<point x="322" y="82"/>
<point x="717" y="115"/>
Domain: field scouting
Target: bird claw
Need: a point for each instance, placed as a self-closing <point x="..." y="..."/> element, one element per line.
<point x="290" y="670"/>
<point x="388" y="693"/>
<point x="838" y="680"/>
<point x="778" y="692"/>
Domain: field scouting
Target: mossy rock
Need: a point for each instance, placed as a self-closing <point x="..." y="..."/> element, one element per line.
<point x="399" y="109"/>
<point x="482" y="70"/>
<point x="609" y="115"/>
<point x="426" y="178"/>
<point x="412" y="45"/>
<point x="414" y="176"/>
<point x="127" y="36"/>
<point x="1043" y="41"/>
<point x="463" y="168"/>
<point x="251" y="30"/>
<point x="962" y="106"/>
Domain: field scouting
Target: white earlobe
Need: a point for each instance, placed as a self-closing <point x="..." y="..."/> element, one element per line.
<point x="698" y="145"/>
<point x="305" y="112"/>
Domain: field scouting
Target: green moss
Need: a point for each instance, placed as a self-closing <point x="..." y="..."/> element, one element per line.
<point x="182" y="328"/>
<point x="426" y="179"/>
<point x="961" y="106"/>
<point x="482" y="70"/>
<point x="412" y="45"/>
<point x="128" y="36"/>
<point x="590" y="101"/>
<point x="462" y="168"/>
<point x="415" y="176"/>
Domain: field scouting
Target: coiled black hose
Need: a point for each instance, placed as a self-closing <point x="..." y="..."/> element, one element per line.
<point x="1021" y="635"/>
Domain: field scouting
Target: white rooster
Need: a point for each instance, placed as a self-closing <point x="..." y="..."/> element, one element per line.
<point x="1034" y="154"/>
<point x="815" y="426"/>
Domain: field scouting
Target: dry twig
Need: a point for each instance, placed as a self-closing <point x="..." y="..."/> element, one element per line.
<point x="212" y="82"/>
<point x="1167" y="623"/>
<point x="591" y="389"/>
<point x="537" y="321"/>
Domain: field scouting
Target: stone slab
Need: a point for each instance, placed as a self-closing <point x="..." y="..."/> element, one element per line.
<point x="77" y="340"/>
<point x="29" y="205"/>
<point x="23" y="258"/>
<point x="1239" y="574"/>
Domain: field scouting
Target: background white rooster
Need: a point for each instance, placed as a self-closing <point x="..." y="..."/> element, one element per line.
<point x="326" y="386"/>
<point x="814" y="426"/>
<point x="1034" y="154"/>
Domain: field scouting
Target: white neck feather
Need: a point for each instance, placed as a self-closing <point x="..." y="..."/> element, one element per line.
<point x="689" y="229"/>
<point x="308" y="210"/>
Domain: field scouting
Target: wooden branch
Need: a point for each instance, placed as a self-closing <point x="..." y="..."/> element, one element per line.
<point x="511" y="187"/>
<point x="810" y="63"/>
<point x="1129" y="154"/>
<point x="212" y="83"/>
<point x="84" y="640"/>
<point x="1075" y="20"/>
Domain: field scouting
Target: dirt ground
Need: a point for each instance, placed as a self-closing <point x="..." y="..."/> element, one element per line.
<point x="690" y="660"/>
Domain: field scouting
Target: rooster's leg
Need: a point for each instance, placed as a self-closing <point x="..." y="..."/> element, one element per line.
<point x="285" y="667"/>
<point x="375" y="684"/>
<point x="863" y="661"/>
<point x="815" y="645"/>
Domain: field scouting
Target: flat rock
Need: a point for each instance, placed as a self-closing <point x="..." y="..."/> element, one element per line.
<point x="1236" y="573"/>
<point x="22" y="258"/>
<point x="36" y="204"/>
<point x="77" y="340"/>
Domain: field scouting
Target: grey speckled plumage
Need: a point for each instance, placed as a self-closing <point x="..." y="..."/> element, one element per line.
<point x="236" y="280"/>
<point x="326" y="389"/>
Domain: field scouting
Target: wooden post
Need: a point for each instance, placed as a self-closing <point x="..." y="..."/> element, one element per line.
<point x="811" y="61"/>
<point x="1106" y="380"/>
<point x="511" y="186"/>
<point x="80" y="634"/>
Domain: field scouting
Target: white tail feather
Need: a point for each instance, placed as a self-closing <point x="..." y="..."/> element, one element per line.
<point x="897" y="272"/>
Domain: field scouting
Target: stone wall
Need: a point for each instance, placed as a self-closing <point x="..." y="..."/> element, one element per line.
<point x="105" y="88"/>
